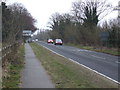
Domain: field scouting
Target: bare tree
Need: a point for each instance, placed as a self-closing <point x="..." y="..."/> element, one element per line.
<point x="90" y="11"/>
<point x="24" y="17"/>
<point x="15" y="19"/>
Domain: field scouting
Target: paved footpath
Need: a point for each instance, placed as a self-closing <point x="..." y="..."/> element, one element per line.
<point x="34" y="75"/>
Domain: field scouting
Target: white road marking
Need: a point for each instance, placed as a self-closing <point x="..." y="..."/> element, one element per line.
<point x="98" y="57"/>
<point x="83" y="66"/>
<point x="95" y="71"/>
<point x="117" y="61"/>
<point x="81" y="50"/>
<point x="103" y="60"/>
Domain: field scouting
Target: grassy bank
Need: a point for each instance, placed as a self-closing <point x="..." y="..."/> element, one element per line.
<point x="66" y="74"/>
<point x="112" y="51"/>
<point x="13" y="79"/>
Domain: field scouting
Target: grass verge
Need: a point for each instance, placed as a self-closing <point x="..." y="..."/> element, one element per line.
<point x="13" y="79"/>
<point x="98" y="49"/>
<point x="66" y="74"/>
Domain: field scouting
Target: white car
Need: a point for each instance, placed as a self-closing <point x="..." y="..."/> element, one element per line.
<point x="58" y="42"/>
<point x="36" y="39"/>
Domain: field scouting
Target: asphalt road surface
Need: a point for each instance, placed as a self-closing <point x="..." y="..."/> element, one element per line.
<point x="104" y="64"/>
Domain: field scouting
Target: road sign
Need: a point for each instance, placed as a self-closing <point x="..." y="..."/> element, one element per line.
<point x="27" y="32"/>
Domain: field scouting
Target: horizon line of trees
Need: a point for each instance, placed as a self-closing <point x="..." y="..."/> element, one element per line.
<point x="81" y="26"/>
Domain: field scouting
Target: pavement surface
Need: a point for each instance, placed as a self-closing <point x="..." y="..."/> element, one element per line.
<point x="105" y="64"/>
<point x="34" y="75"/>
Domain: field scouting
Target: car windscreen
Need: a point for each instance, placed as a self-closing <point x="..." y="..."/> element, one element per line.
<point x="58" y="40"/>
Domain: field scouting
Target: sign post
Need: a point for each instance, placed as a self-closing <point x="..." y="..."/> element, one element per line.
<point x="27" y="35"/>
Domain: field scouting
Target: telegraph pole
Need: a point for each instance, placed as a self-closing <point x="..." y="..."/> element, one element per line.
<point x="0" y="45"/>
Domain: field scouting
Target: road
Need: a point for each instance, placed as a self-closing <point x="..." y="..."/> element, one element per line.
<point x="103" y="64"/>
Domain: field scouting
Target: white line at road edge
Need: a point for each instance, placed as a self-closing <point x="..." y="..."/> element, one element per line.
<point x="83" y="65"/>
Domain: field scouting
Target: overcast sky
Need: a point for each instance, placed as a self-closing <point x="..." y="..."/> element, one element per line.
<point x="42" y="10"/>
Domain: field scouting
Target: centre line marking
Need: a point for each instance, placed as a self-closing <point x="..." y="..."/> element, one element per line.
<point x="98" y="57"/>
